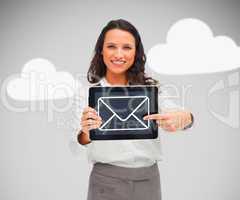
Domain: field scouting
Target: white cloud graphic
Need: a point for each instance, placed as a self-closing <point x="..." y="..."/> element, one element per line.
<point x="39" y="80"/>
<point x="191" y="48"/>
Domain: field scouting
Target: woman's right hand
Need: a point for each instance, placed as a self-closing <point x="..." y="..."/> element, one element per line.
<point x="90" y="120"/>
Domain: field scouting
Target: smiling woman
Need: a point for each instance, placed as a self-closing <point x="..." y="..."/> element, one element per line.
<point x="124" y="169"/>
<point x="119" y="48"/>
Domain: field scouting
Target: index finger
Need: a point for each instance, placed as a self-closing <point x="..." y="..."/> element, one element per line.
<point x="157" y="116"/>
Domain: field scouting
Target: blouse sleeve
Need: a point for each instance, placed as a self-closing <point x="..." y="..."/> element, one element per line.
<point x="80" y="101"/>
<point x="166" y="104"/>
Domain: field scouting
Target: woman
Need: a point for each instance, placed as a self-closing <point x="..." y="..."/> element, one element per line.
<point x="124" y="169"/>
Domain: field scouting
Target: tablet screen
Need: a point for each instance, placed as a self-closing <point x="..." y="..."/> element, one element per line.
<point x="122" y="110"/>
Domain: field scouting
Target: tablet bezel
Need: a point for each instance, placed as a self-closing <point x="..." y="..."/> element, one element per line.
<point x="122" y="135"/>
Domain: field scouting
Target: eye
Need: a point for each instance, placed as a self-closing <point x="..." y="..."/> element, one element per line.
<point x="127" y="47"/>
<point x="110" y="46"/>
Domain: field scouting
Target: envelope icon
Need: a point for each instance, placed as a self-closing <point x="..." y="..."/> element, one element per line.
<point x="123" y="112"/>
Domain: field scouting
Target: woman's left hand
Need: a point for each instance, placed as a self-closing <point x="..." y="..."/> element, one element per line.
<point x="171" y="121"/>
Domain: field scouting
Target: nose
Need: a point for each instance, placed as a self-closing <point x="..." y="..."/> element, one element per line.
<point x="118" y="53"/>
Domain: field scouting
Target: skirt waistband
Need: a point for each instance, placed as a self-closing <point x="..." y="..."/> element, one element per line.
<point x="141" y="173"/>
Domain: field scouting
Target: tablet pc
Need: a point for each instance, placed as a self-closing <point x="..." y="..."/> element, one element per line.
<point x="122" y="110"/>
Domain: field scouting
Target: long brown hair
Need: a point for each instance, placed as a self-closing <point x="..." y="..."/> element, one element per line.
<point x="136" y="73"/>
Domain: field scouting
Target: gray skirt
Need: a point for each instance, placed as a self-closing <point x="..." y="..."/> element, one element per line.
<point x="108" y="182"/>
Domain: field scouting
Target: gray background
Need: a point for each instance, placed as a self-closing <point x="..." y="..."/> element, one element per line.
<point x="39" y="157"/>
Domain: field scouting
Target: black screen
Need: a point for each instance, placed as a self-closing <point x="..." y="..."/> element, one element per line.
<point x="122" y="110"/>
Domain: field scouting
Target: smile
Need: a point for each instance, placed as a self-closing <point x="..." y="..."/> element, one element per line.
<point x="117" y="62"/>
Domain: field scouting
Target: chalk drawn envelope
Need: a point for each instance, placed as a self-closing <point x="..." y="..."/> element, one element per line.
<point x="119" y="115"/>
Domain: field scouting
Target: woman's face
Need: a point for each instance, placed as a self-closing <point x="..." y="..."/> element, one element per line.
<point x="118" y="51"/>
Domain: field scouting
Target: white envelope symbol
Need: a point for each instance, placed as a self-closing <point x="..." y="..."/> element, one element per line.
<point x="114" y="115"/>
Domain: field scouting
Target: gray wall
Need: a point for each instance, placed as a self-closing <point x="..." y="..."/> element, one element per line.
<point x="39" y="157"/>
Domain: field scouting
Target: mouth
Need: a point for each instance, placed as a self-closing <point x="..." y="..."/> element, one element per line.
<point x="118" y="62"/>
